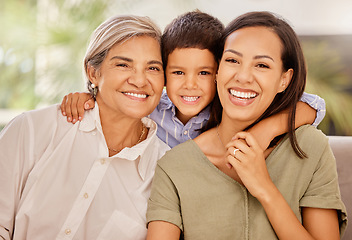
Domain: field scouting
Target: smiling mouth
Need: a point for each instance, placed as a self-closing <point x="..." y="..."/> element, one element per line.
<point x="242" y="95"/>
<point x="190" y="99"/>
<point x="136" y="95"/>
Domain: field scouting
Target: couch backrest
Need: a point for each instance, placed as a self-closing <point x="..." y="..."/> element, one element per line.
<point x="342" y="149"/>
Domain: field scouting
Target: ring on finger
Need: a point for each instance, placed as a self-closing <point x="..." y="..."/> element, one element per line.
<point x="234" y="151"/>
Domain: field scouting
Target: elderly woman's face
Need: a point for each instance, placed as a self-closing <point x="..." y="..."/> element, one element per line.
<point x="131" y="78"/>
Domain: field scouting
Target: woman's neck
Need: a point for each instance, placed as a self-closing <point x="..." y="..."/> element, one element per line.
<point x="121" y="131"/>
<point x="228" y="128"/>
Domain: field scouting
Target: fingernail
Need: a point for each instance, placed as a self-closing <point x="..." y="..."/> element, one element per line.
<point x="63" y="113"/>
<point x="228" y="165"/>
<point x="86" y="106"/>
<point x="79" y="118"/>
<point x="74" y="120"/>
<point x="69" y="119"/>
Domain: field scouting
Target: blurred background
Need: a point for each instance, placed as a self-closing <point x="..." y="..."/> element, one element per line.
<point x="42" y="44"/>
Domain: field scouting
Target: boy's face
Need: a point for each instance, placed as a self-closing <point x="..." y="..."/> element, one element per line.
<point x="190" y="81"/>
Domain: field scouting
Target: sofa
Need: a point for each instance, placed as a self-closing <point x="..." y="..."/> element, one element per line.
<point x="342" y="149"/>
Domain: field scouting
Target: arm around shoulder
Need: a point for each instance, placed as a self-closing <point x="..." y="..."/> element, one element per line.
<point x="318" y="104"/>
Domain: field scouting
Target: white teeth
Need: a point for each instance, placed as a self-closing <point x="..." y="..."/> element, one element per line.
<point x="242" y="94"/>
<point x="190" y="99"/>
<point x="136" y="95"/>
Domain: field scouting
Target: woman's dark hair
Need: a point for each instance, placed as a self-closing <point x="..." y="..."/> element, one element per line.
<point x="292" y="58"/>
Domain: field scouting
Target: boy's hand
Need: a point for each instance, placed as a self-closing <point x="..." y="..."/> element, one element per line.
<point x="73" y="105"/>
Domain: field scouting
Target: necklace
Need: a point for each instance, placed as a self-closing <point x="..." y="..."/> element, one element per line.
<point x="217" y="132"/>
<point x="139" y="140"/>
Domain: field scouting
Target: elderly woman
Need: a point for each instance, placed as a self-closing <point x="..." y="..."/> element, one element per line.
<point x="90" y="180"/>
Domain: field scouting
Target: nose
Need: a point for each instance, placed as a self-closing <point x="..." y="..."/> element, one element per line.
<point x="138" y="78"/>
<point x="244" y="74"/>
<point x="190" y="81"/>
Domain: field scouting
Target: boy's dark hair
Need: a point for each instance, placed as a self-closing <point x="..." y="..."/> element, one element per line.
<point x="292" y="58"/>
<point x="192" y="30"/>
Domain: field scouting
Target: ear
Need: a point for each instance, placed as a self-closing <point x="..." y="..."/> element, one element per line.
<point x="93" y="74"/>
<point x="285" y="80"/>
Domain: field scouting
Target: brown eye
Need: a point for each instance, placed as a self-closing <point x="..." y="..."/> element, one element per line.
<point x="261" y="65"/>
<point x="204" y="73"/>
<point x="121" y="65"/>
<point x="154" y="69"/>
<point x="231" y="60"/>
<point x="178" y="73"/>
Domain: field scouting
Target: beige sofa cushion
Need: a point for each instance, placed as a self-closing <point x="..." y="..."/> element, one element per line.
<point x="342" y="149"/>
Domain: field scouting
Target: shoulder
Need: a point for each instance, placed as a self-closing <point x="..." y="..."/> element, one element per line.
<point x="38" y="118"/>
<point x="30" y="132"/>
<point x="180" y="156"/>
<point x="312" y="141"/>
<point x="153" y="140"/>
<point x="308" y="136"/>
<point x="165" y="102"/>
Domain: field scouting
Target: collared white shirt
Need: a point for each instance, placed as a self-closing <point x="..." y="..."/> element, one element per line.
<point x="58" y="181"/>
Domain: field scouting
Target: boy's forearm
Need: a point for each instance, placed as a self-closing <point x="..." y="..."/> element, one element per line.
<point x="267" y="129"/>
<point x="278" y="122"/>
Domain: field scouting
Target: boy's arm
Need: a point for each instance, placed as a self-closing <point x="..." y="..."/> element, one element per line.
<point x="73" y="105"/>
<point x="316" y="103"/>
<point x="266" y="130"/>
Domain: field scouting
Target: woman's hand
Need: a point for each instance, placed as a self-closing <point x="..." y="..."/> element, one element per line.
<point x="73" y="105"/>
<point x="249" y="162"/>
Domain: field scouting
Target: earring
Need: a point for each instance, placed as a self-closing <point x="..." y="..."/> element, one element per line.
<point x="94" y="90"/>
<point x="215" y="81"/>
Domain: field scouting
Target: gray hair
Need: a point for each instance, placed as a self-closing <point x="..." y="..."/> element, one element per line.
<point x="116" y="30"/>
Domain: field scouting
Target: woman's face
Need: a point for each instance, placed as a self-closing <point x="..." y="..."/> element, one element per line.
<point x="131" y="78"/>
<point x="250" y="73"/>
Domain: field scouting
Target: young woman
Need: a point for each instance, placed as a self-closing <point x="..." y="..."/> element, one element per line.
<point x="222" y="187"/>
<point x="90" y="180"/>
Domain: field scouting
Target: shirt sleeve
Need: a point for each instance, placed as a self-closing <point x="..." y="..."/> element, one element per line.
<point x="14" y="152"/>
<point x="323" y="190"/>
<point x="317" y="103"/>
<point x="164" y="203"/>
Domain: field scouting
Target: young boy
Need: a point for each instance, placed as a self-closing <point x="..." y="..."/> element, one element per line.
<point x="191" y="51"/>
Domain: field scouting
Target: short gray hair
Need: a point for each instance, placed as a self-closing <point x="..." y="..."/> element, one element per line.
<point x="116" y="30"/>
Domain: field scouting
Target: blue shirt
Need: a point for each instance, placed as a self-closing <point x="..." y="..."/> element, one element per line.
<point x="173" y="132"/>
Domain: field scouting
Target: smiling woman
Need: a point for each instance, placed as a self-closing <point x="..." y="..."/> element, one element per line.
<point x="130" y="81"/>
<point x="90" y="180"/>
<point x="203" y="189"/>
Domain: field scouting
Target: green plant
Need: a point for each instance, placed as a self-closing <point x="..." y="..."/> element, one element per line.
<point x="327" y="79"/>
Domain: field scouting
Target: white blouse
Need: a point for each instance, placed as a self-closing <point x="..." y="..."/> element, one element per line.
<point x="58" y="181"/>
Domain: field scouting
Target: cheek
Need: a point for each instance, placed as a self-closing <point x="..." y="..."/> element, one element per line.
<point x="171" y="85"/>
<point x="224" y="74"/>
<point x="157" y="83"/>
<point x="212" y="89"/>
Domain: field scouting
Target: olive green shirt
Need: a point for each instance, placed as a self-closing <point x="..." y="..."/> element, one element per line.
<point x="205" y="203"/>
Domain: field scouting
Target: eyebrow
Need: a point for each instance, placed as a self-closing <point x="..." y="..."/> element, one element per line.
<point x="131" y="60"/>
<point x="122" y="58"/>
<point x="179" y="67"/>
<point x="255" y="57"/>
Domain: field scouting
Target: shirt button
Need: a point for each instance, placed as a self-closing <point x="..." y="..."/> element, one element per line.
<point x="185" y="132"/>
<point x="102" y="161"/>
<point x="68" y="231"/>
<point x="85" y="195"/>
<point x="94" y="133"/>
